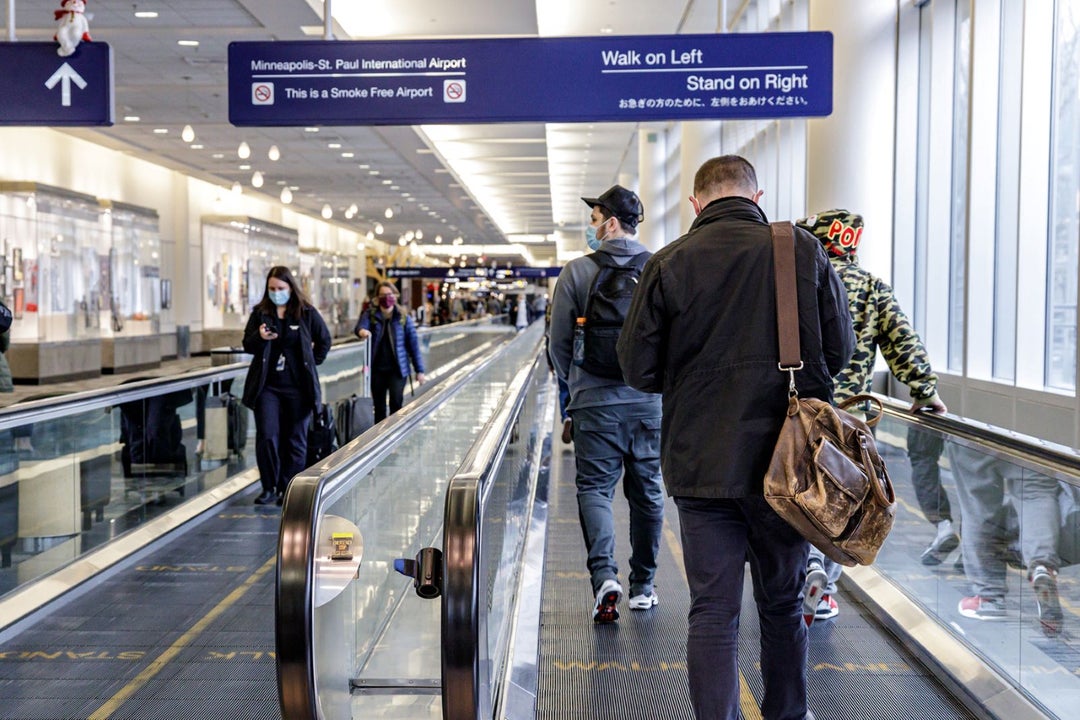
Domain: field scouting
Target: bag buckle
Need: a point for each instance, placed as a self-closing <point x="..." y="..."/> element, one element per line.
<point x="790" y="370"/>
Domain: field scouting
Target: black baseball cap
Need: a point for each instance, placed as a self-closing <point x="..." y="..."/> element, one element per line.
<point x="620" y="202"/>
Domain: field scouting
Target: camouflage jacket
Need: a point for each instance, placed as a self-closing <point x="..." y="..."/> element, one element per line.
<point x="880" y="323"/>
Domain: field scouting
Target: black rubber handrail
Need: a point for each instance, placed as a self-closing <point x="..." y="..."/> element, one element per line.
<point x="1057" y="461"/>
<point x="52" y="408"/>
<point x="308" y="494"/>
<point x="463" y="631"/>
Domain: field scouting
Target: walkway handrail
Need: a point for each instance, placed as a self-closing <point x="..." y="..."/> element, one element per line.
<point x="1058" y="461"/>
<point x="994" y="473"/>
<point x="55" y="407"/>
<point x="463" y="630"/>
<point x="308" y="495"/>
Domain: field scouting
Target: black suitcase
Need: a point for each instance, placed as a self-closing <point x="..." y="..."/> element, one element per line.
<point x="322" y="437"/>
<point x="354" y="416"/>
<point x="238" y="424"/>
<point x="152" y="436"/>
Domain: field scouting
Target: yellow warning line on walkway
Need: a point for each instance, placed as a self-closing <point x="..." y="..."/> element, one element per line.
<point x="156" y="666"/>
<point x="747" y="703"/>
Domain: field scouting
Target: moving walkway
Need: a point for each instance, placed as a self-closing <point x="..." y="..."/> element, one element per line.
<point x="248" y="613"/>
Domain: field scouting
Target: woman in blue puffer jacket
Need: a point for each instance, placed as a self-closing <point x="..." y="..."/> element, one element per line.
<point x="391" y="352"/>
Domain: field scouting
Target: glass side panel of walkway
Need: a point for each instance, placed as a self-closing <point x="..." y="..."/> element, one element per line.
<point x="517" y="639"/>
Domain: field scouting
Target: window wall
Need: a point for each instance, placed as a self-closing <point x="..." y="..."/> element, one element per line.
<point x="1064" y="196"/>
<point x="994" y="187"/>
<point x="776" y="148"/>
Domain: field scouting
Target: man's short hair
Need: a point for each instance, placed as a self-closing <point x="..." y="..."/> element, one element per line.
<point x="731" y="172"/>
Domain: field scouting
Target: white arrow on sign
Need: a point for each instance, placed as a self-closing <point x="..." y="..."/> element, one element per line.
<point x="65" y="75"/>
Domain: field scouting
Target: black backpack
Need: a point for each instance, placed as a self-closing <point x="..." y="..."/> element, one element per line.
<point x="605" y="311"/>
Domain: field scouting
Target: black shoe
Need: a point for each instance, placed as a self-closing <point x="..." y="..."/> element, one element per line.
<point x="266" y="498"/>
<point x="280" y="499"/>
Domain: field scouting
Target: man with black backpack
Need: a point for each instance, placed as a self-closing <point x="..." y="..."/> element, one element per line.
<point x="616" y="429"/>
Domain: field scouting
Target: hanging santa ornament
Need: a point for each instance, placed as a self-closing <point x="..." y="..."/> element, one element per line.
<point x="71" y="26"/>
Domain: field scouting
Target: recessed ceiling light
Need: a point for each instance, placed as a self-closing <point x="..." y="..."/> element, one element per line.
<point x="196" y="146"/>
<point x="245" y="167"/>
<point x="334" y="146"/>
<point x="373" y="172"/>
<point x="311" y="129"/>
<point x="387" y="182"/>
<point x="216" y="156"/>
<point x="132" y="118"/>
<point x="145" y="14"/>
<point x="347" y="155"/>
<point x="161" y="131"/>
<point x="188" y="43"/>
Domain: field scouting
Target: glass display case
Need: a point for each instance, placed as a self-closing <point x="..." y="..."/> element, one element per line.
<point x="56" y="255"/>
<point x="237" y="253"/>
<point x="325" y="279"/>
<point x="131" y="288"/>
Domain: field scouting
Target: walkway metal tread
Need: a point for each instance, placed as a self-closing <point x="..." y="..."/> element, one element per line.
<point x="184" y="632"/>
<point x="635" y="669"/>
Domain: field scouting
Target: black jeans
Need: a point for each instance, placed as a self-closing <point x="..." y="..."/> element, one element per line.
<point x="719" y="536"/>
<point x="924" y="450"/>
<point x="281" y="424"/>
<point x="382" y="383"/>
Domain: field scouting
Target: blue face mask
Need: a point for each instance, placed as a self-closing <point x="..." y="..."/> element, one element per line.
<point x="591" y="240"/>
<point x="279" y="297"/>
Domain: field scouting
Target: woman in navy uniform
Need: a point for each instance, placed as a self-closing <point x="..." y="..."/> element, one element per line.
<point x="287" y="338"/>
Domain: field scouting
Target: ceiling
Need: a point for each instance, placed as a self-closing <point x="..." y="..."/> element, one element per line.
<point x="489" y="185"/>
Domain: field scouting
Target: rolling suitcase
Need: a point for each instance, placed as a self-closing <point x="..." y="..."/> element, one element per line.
<point x="322" y="439"/>
<point x="215" y="442"/>
<point x="236" y="416"/>
<point x="353" y="416"/>
<point x="152" y="437"/>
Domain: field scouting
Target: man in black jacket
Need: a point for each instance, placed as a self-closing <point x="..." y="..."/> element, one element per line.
<point x="702" y="330"/>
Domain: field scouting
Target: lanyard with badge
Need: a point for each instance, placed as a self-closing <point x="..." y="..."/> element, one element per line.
<point x="280" y="367"/>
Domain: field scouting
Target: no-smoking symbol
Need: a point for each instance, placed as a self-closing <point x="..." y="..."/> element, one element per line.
<point x="453" y="91"/>
<point x="262" y="93"/>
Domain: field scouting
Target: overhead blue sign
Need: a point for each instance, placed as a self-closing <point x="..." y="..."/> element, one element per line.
<point x="38" y="87"/>
<point x="588" y="79"/>
<point x="473" y="273"/>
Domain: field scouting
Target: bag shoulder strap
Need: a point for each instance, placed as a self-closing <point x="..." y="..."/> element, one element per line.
<point x="787" y="298"/>
<point x="602" y="259"/>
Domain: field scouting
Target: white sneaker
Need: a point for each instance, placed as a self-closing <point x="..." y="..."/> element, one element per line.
<point x="945" y="541"/>
<point x="608" y="596"/>
<point x="816" y="580"/>
<point x="643" y="602"/>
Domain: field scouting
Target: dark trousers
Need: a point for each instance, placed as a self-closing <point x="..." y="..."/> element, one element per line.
<point x="281" y="425"/>
<point x="381" y="384"/>
<point x="718" y="537"/>
<point x="611" y="442"/>
<point x="924" y="449"/>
